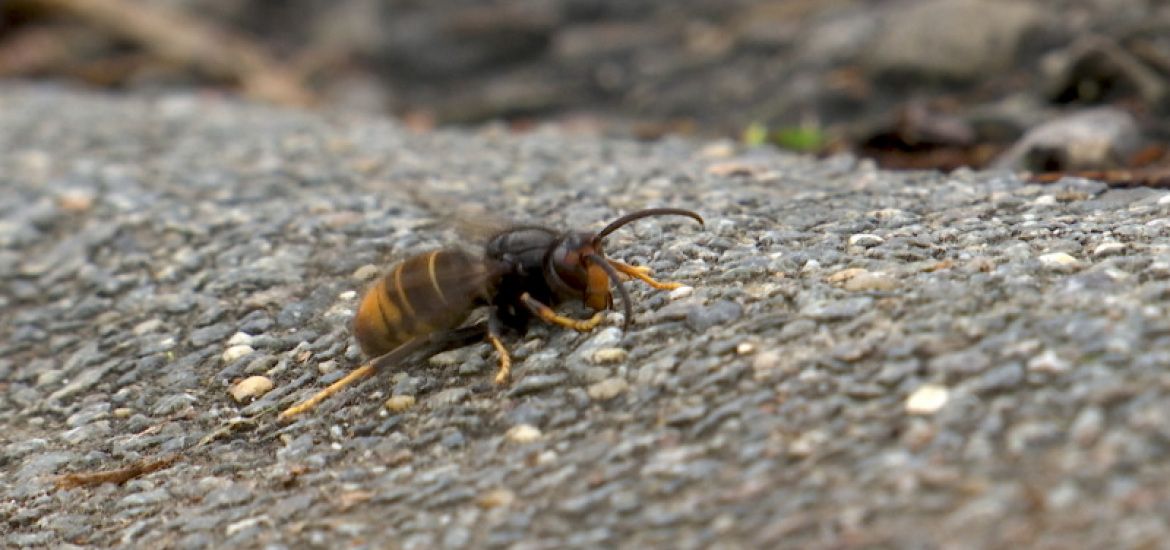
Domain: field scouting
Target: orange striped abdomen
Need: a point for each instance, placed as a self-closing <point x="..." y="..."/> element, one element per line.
<point x="423" y="294"/>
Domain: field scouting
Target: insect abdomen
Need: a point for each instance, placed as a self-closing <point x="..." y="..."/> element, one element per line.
<point x="420" y="295"/>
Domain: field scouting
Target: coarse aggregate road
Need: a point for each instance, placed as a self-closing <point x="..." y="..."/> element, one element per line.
<point x="860" y="358"/>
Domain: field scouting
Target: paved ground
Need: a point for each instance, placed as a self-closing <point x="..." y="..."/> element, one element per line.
<point x="866" y="358"/>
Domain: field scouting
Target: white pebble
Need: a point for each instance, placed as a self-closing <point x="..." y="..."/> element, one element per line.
<point x="240" y="339"/>
<point x="927" y="399"/>
<point x="400" y="403"/>
<point x="608" y="389"/>
<point x="75" y="200"/>
<point x="681" y="292"/>
<point x="245" y="523"/>
<point x="1109" y="249"/>
<point x="745" y="348"/>
<point x="236" y="352"/>
<point x="1058" y="260"/>
<point x="326" y="367"/>
<point x="606" y="356"/>
<point x="146" y="327"/>
<point x="366" y="272"/>
<point x="347" y="295"/>
<point x="865" y="240"/>
<point x="523" y="433"/>
<point x="250" y="387"/>
<point x="1048" y="362"/>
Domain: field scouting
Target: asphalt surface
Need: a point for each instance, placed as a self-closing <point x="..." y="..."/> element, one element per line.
<point x="862" y="358"/>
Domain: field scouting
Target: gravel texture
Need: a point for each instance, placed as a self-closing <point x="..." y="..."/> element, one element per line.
<point x="155" y="253"/>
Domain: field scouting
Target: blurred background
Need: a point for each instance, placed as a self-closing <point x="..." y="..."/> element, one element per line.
<point x="1055" y="87"/>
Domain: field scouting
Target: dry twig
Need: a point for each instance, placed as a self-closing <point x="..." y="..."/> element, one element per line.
<point x="119" y="476"/>
<point x="183" y="38"/>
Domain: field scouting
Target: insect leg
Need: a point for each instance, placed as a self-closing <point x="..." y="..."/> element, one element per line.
<point x="493" y="336"/>
<point x="369" y="367"/>
<point x="443" y="340"/>
<point x="547" y="315"/>
<point x="311" y="403"/>
<point x="642" y="273"/>
<point x="457" y="338"/>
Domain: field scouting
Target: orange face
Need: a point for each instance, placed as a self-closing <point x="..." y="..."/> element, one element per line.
<point x="578" y="273"/>
<point x="597" y="295"/>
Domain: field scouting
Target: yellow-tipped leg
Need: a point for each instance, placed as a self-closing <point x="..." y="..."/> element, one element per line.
<point x="547" y="315"/>
<point x="310" y="403"/>
<point x="505" y="360"/>
<point x="642" y="273"/>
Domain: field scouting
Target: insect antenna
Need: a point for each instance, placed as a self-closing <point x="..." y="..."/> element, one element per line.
<point x="632" y="216"/>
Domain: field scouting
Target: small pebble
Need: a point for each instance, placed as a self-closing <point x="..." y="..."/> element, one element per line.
<point x="865" y="240"/>
<point x="745" y="348"/>
<point x="496" y="498"/>
<point x="871" y="281"/>
<point x="167" y="344"/>
<point x="326" y="367"/>
<point x="765" y="362"/>
<point x="447" y="359"/>
<point x="448" y="397"/>
<point x="927" y="399"/>
<point x="1048" y="362"/>
<point x="1088" y="426"/>
<point x="681" y="292"/>
<point x="147" y="327"/>
<point x="240" y="339"/>
<point x="607" y="356"/>
<point x="49" y="377"/>
<point x="523" y="433"/>
<point x="366" y="272"/>
<point x="399" y="403"/>
<point x="347" y="295"/>
<point x="845" y="275"/>
<point x="75" y="200"/>
<point x="236" y="352"/>
<point x="122" y="412"/>
<point x="534" y="383"/>
<point x="807" y="443"/>
<point x="250" y="387"/>
<point x="1059" y="261"/>
<point x="608" y="389"/>
<point x="547" y="457"/>
<point x="1104" y="250"/>
<point x="243" y="524"/>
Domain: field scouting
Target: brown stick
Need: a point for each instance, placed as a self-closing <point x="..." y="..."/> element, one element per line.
<point x="119" y="476"/>
<point x="1156" y="177"/>
<point x="183" y="38"/>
